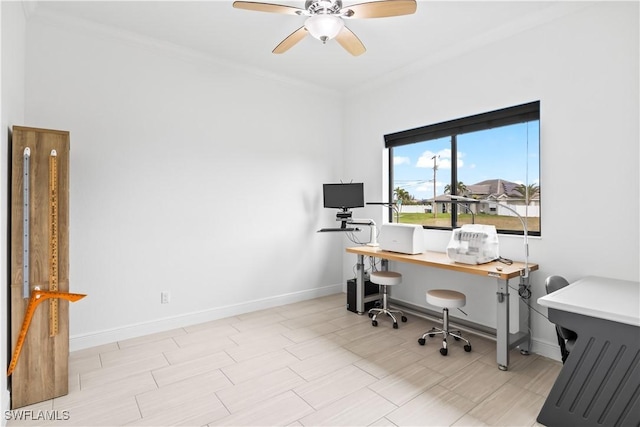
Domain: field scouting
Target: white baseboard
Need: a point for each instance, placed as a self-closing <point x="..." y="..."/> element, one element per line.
<point x="546" y="349"/>
<point x="79" y="342"/>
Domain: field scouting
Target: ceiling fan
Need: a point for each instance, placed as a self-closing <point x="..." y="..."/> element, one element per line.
<point x="325" y="19"/>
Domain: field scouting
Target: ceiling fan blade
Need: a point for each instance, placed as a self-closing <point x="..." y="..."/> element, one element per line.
<point x="291" y="40"/>
<point x="380" y="9"/>
<point x="268" y="7"/>
<point x="350" y="42"/>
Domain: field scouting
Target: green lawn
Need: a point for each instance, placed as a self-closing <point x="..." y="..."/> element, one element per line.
<point x="444" y="220"/>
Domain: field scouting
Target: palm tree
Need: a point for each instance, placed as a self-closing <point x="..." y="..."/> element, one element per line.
<point x="461" y="189"/>
<point x="402" y="195"/>
<point x="528" y="192"/>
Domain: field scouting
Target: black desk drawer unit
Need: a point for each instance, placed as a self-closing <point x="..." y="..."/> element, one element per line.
<point x="599" y="384"/>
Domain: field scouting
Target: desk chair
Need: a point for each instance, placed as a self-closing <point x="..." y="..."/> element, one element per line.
<point x="446" y="299"/>
<point x="566" y="337"/>
<point x="385" y="279"/>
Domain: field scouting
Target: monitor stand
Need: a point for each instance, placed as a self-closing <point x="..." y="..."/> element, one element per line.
<point x="344" y="216"/>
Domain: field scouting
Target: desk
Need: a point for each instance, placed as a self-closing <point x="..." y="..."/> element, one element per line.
<point x="504" y="340"/>
<point x="600" y="380"/>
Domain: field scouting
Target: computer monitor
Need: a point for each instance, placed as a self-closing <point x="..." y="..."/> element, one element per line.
<point x="343" y="196"/>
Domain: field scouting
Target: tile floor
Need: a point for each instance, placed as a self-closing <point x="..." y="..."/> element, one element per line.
<point x="311" y="363"/>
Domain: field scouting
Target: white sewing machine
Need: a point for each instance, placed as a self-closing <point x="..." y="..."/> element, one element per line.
<point x="473" y="244"/>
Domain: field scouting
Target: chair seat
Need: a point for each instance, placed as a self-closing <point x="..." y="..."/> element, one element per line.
<point x="387" y="278"/>
<point x="446" y="298"/>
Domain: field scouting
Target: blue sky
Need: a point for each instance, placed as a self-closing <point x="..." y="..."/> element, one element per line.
<point x="491" y="154"/>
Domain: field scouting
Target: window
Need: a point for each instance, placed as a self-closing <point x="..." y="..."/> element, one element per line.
<point x="491" y="157"/>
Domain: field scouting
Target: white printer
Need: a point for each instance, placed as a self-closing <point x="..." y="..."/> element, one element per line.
<point x="403" y="238"/>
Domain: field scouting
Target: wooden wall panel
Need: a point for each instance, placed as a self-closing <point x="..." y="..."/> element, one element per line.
<point x="42" y="370"/>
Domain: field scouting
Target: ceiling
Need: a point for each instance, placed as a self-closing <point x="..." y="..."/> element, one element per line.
<point x="437" y="31"/>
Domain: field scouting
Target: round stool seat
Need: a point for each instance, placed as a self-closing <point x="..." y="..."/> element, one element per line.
<point x="446" y="298"/>
<point x="388" y="278"/>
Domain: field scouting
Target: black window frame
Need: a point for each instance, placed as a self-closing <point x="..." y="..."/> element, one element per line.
<point x="503" y="117"/>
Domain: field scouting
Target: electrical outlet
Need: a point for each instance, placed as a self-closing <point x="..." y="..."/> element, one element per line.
<point x="165" y="297"/>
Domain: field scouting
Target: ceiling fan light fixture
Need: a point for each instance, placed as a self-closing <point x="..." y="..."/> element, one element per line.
<point x="323" y="26"/>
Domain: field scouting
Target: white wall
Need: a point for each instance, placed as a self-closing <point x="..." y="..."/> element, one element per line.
<point x="12" y="85"/>
<point x="165" y="144"/>
<point x="163" y="141"/>
<point x="583" y="68"/>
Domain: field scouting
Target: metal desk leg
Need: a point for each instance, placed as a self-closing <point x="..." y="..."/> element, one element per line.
<point x="360" y="284"/>
<point x="502" y="326"/>
<point x="504" y="339"/>
<point x="524" y="312"/>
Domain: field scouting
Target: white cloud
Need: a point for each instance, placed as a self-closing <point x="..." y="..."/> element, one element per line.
<point x="426" y="159"/>
<point x="423" y="188"/>
<point x="399" y="160"/>
<point x="444" y="164"/>
<point x="443" y="159"/>
<point x="460" y="161"/>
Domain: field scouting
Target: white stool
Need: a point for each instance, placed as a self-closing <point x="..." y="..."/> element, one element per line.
<point x="446" y="299"/>
<point x="385" y="279"/>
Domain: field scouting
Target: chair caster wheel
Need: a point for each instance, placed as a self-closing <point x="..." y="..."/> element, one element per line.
<point x="443" y="351"/>
<point x="432" y="335"/>
<point x="421" y="341"/>
<point x="404" y="318"/>
<point x="395" y="326"/>
<point x="370" y="315"/>
<point x="467" y="348"/>
<point x="456" y="338"/>
<point x="374" y="323"/>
